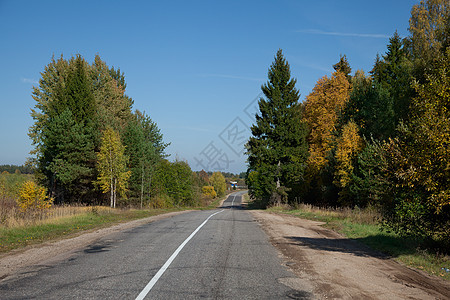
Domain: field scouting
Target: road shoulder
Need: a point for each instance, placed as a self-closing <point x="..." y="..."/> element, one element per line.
<point x="51" y="252"/>
<point x="342" y="268"/>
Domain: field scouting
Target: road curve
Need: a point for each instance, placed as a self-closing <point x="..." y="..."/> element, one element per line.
<point x="228" y="257"/>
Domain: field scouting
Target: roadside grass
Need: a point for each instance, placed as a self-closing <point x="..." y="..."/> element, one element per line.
<point x="80" y="219"/>
<point x="18" y="230"/>
<point x="362" y="225"/>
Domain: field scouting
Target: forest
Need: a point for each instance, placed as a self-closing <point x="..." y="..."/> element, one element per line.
<point x="377" y="140"/>
<point x="91" y="148"/>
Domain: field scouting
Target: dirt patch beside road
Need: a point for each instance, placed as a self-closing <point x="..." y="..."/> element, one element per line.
<point x="341" y="268"/>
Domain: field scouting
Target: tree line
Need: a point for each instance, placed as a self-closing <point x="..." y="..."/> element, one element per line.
<point x="16" y="169"/>
<point x="377" y="140"/>
<point x="91" y="147"/>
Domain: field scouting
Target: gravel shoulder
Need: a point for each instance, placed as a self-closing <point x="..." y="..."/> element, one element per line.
<point x="12" y="262"/>
<point x="334" y="266"/>
<point x="341" y="268"/>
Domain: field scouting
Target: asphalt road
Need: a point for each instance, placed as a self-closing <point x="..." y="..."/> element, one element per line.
<point x="215" y="254"/>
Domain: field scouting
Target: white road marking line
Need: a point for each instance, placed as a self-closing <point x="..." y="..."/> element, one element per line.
<point x="232" y="203"/>
<point x="161" y="271"/>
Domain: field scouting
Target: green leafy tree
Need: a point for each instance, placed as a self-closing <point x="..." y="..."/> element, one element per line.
<point x="145" y="147"/>
<point x="174" y="182"/>
<point x="137" y="151"/>
<point x="113" y="175"/>
<point x="370" y="181"/>
<point x="75" y="101"/>
<point x="277" y="149"/>
<point x="113" y="106"/>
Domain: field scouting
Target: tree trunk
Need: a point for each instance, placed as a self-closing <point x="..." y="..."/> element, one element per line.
<point x="278" y="175"/>
<point x="115" y="187"/>
<point x="278" y="185"/>
<point x="112" y="188"/>
<point x="111" y="176"/>
<point x="142" y="185"/>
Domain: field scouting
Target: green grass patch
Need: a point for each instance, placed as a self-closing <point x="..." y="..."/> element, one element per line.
<point x="19" y="237"/>
<point x="362" y="227"/>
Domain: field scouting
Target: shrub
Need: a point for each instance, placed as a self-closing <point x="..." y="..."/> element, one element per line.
<point x="33" y="197"/>
<point x="209" y="191"/>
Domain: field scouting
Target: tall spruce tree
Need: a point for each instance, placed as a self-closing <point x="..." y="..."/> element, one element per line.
<point x="393" y="73"/>
<point x="277" y="149"/>
<point x="68" y="133"/>
<point x="343" y="66"/>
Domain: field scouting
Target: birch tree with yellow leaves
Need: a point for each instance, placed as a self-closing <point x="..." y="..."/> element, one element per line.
<point x="348" y="145"/>
<point x="113" y="174"/>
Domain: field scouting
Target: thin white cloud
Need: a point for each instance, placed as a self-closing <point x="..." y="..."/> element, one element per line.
<point x="189" y="128"/>
<point x="347" y="34"/>
<point x="310" y="64"/>
<point x="199" y="129"/>
<point x="29" y="80"/>
<point x="316" y="67"/>
<point x="232" y="77"/>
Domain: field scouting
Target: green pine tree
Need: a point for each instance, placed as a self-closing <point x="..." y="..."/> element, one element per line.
<point x="344" y="67"/>
<point x="371" y="107"/>
<point x="67" y="156"/>
<point x="393" y="72"/>
<point x="277" y="149"/>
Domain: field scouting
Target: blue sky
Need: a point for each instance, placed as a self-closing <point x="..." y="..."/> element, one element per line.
<point x="194" y="66"/>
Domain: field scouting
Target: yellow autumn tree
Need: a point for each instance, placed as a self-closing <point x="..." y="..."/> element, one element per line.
<point x="428" y="26"/>
<point x="33" y="197"/>
<point x="418" y="161"/>
<point x="348" y="145"/>
<point x="113" y="175"/>
<point x="218" y="182"/>
<point x="427" y="137"/>
<point x="321" y="113"/>
<point x="209" y="191"/>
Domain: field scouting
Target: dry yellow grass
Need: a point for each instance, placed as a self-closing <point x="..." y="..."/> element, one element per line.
<point x="363" y="216"/>
<point x="11" y="216"/>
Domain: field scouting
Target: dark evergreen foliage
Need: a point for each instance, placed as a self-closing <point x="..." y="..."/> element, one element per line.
<point x="277" y="149"/>
<point x="344" y="67"/>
